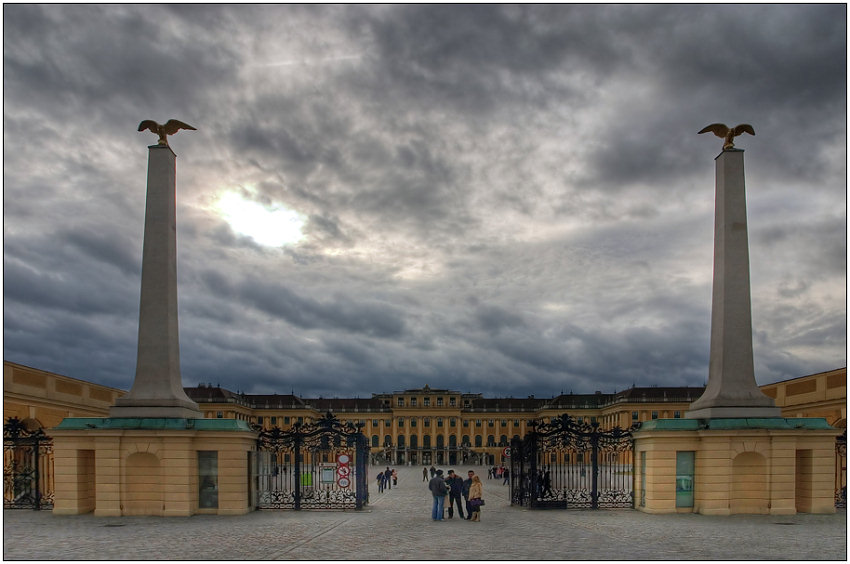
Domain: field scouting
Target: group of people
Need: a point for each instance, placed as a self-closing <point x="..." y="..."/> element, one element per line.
<point x="454" y="487"/>
<point x="499" y="472"/>
<point x="385" y="477"/>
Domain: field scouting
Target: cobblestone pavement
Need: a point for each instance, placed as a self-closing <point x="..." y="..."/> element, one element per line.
<point x="398" y="526"/>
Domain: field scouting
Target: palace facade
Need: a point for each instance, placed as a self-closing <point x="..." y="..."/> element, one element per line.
<point x="422" y="426"/>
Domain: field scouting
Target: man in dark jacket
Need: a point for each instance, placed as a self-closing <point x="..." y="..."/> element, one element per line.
<point x="438" y="488"/>
<point x="465" y="491"/>
<point x="455" y="484"/>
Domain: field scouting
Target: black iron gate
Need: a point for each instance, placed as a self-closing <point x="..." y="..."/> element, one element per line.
<point x="566" y="463"/>
<point x="27" y="467"/>
<point x="321" y="465"/>
<point x="841" y="470"/>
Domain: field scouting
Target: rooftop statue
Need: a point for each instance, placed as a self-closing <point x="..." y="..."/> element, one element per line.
<point x="727" y="134"/>
<point x="171" y="127"/>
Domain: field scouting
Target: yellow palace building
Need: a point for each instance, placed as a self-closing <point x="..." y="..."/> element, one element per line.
<point x="424" y="426"/>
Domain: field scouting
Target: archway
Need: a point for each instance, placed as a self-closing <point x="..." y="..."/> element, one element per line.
<point x="749" y="488"/>
<point x="142" y="485"/>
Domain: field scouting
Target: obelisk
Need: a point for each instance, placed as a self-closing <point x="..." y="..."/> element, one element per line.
<point x="731" y="391"/>
<point x="158" y="389"/>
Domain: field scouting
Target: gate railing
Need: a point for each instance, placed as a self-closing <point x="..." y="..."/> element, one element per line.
<point x="566" y="463"/>
<point x="27" y="467"/>
<point x="321" y="465"/>
<point x="841" y="470"/>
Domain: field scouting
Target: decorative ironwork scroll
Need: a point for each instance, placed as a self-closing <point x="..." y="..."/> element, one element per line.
<point x="27" y="467"/>
<point x="566" y="463"/>
<point x="320" y="465"/>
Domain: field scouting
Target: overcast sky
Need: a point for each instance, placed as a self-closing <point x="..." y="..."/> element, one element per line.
<point x="510" y="200"/>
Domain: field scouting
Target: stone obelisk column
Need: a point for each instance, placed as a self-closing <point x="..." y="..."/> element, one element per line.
<point x="732" y="390"/>
<point x="158" y="389"/>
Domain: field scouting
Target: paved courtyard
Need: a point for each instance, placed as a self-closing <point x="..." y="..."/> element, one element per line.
<point x="397" y="526"/>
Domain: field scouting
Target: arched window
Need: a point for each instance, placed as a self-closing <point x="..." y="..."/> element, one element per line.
<point x="465" y="441"/>
<point x="426" y="441"/>
<point x="375" y="442"/>
<point x="478" y="440"/>
<point x="414" y="441"/>
<point x="401" y="441"/>
<point x="440" y="441"/>
<point x="491" y="440"/>
<point x="503" y="440"/>
<point x="453" y="441"/>
<point x="388" y="440"/>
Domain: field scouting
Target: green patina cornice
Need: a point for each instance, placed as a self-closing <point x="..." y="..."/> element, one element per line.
<point x="732" y="424"/>
<point x="152" y="424"/>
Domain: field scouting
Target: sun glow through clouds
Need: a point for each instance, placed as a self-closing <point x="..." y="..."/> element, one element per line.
<point x="268" y="225"/>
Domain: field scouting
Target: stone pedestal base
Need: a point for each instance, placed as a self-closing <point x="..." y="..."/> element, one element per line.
<point x="770" y="466"/>
<point x="145" y="466"/>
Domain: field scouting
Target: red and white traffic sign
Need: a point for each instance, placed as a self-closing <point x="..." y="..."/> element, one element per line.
<point x="507" y="452"/>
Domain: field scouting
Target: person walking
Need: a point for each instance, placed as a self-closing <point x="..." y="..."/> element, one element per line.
<point x="424" y="474"/>
<point x="465" y="491"/>
<point x="395" y="477"/>
<point x="438" y="488"/>
<point x="387" y="476"/>
<point x="507" y="474"/>
<point x="380" y="482"/>
<point x="476" y="494"/>
<point x="455" y="484"/>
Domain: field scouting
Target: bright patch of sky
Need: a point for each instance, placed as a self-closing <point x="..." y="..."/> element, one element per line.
<point x="270" y="225"/>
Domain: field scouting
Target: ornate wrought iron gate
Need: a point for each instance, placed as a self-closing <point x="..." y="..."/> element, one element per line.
<point x="310" y="466"/>
<point x="841" y="470"/>
<point x="27" y="467"/>
<point x="569" y="464"/>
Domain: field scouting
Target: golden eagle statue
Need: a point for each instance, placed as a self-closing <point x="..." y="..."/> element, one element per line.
<point x="171" y="127"/>
<point x="727" y="134"/>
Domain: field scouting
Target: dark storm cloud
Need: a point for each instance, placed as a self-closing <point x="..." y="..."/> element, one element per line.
<point x="499" y="199"/>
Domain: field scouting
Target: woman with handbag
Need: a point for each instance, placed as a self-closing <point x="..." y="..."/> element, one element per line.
<point x="476" y="493"/>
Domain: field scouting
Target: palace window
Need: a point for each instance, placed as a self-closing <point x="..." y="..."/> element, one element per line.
<point x="413" y="422"/>
<point x="490" y="423"/>
<point x="478" y="440"/>
<point x="260" y="419"/>
<point x="452" y="422"/>
<point x="414" y="441"/>
<point x="452" y="440"/>
<point x="452" y="402"/>
<point x="426" y="421"/>
<point x="388" y="440"/>
<point x="439" y="402"/>
<point x="634" y="415"/>
<point x="478" y="424"/>
<point x="504" y="422"/>
<point x="440" y="441"/>
<point x="274" y="420"/>
<point x="375" y="442"/>
<point x="465" y="440"/>
<point x="388" y="422"/>
<point x="401" y="402"/>
<point x="426" y="402"/>
<point x="401" y="441"/>
<point x="374" y="422"/>
<point x="491" y="440"/>
<point x="503" y="440"/>
<point x="655" y="415"/>
<point x="516" y="422"/>
<point x="426" y="441"/>
<point x="412" y="402"/>
<point x="285" y="420"/>
<point x="677" y="415"/>
<point x="439" y="421"/>
<point x="466" y="422"/>
<point x="400" y="422"/>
